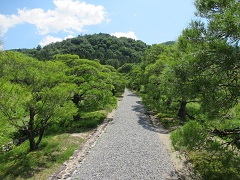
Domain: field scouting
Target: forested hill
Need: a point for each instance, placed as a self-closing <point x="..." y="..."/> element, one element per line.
<point x="104" y="47"/>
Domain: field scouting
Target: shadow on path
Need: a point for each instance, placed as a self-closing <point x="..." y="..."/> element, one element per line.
<point x="144" y="120"/>
<point x="132" y="94"/>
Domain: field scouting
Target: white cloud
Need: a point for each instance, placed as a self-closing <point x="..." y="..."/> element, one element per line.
<point x="68" y="16"/>
<point x="8" y="22"/>
<point x="51" y="39"/>
<point x="69" y="36"/>
<point x="129" y="34"/>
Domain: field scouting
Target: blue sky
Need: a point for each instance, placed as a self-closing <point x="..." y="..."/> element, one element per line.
<point x="28" y="23"/>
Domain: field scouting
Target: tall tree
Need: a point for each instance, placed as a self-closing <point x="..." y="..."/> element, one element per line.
<point x="223" y="18"/>
<point x="33" y="94"/>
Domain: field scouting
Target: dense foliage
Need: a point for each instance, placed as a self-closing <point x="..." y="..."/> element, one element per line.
<point x="104" y="47"/>
<point x="37" y="95"/>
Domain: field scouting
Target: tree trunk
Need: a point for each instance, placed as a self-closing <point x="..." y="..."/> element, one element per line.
<point x="40" y="137"/>
<point x="182" y="109"/>
<point x="31" y="135"/>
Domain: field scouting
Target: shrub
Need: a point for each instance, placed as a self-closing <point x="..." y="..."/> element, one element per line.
<point x="191" y="136"/>
<point x="91" y="119"/>
<point x="193" y="109"/>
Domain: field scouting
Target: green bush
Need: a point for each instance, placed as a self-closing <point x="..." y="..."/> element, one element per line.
<point x="191" y="136"/>
<point x="98" y="116"/>
<point x="193" y="109"/>
<point x="91" y="119"/>
<point x="211" y="156"/>
<point x="235" y="111"/>
<point x="217" y="162"/>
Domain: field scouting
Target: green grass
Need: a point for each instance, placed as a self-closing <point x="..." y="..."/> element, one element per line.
<point x="53" y="151"/>
<point x="55" y="148"/>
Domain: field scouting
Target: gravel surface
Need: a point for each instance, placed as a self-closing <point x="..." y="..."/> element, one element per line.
<point x="130" y="148"/>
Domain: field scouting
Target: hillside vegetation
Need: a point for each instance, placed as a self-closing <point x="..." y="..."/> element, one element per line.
<point x="107" y="49"/>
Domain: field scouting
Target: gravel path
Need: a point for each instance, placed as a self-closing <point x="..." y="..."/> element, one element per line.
<point x="129" y="148"/>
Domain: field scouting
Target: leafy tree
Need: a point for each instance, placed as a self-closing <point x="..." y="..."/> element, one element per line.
<point x="39" y="47"/>
<point x="34" y="94"/>
<point x="210" y="53"/>
<point x="223" y="17"/>
<point x="151" y="54"/>
<point x="160" y="79"/>
<point x="214" y="54"/>
<point x="96" y="84"/>
<point x="126" y="68"/>
<point x="113" y="62"/>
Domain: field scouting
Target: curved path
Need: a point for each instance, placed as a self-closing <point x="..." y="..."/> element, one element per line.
<point x="129" y="149"/>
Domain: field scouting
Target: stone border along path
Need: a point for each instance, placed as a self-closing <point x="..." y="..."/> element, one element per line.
<point x="129" y="148"/>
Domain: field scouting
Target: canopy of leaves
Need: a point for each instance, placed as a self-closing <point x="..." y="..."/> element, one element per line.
<point x="34" y="93"/>
<point x="38" y="94"/>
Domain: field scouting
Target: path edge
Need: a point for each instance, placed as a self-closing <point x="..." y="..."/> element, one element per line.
<point x="183" y="167"/>
<point x="68" y="168"/>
